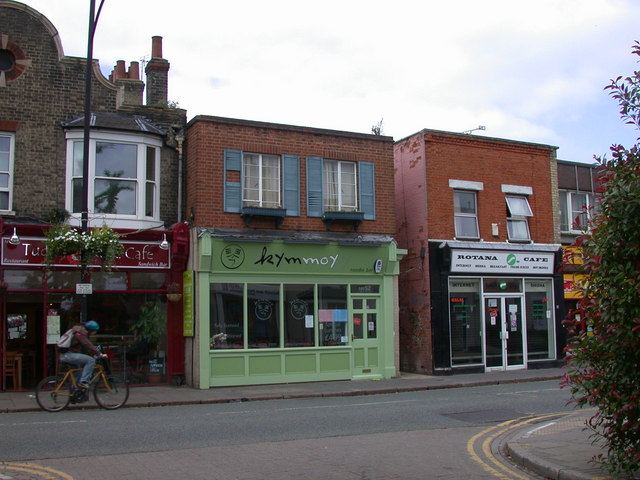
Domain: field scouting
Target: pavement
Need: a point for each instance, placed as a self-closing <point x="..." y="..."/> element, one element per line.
<point x="556" y="448"/>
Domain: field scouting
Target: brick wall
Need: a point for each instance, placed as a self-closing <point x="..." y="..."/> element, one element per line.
<point x="51" y="90"/>
<point x="424" y="163"/>
<point x="208" y="137"/>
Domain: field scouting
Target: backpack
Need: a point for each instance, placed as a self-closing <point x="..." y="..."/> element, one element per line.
<point x="66" y="338"/>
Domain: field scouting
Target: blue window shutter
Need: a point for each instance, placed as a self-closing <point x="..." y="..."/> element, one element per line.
<point x="314" y="187"/>
<point x="232" y="190"/>
<point x="291" y="187"/>
<point x="367" y="190"/>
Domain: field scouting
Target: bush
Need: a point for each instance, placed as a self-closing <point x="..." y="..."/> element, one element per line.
<point x="604" y="353"/>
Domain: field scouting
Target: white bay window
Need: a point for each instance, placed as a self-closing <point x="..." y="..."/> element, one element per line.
<point x="123" y="179"/>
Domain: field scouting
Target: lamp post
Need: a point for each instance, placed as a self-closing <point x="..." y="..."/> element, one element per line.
<point x="84" y="219"/>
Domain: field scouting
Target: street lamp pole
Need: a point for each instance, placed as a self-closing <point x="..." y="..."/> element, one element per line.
<point x="84" y="219"/>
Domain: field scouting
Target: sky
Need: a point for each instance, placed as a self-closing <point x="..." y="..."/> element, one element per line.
<point x="525" y="70"/>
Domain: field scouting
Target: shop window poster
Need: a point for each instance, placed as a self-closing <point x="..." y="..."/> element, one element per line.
<point x="17" y="326"/>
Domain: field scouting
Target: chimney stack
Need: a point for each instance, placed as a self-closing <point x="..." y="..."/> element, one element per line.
<point x="157" y="71"/>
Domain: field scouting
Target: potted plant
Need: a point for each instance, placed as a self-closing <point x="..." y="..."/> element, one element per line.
<point x="173" y="292"/>
<point x="148" y="330"/>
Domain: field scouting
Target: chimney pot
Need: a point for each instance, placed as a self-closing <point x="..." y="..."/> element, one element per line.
<point x="119" y="71"/>
<point x="134" y="71"/>
<point x="156" y="47"/>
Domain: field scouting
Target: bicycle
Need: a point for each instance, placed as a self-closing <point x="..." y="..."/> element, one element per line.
<point x="110" y="392"/>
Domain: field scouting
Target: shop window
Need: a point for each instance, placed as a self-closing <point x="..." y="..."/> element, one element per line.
<point x="226" y="313"/>
<point x="263" y="316"/>
<point x="123" y="178"/>
<point x="540" y="321"/>
<point x="7" y="142"/>
<point x="332" y="315"/>
<point x="62" y="280"/>
<point x="148" y="280"/>
<point x="25" y="279"/>
<point x="518" y="210"/>
<point x="299" y="325"/>
<point x="576" y="209"/>
<point x="465" y="320"/>
<point x="466" y="214"/>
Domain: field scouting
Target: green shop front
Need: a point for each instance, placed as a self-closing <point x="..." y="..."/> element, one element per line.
<point x="295" y="308"/>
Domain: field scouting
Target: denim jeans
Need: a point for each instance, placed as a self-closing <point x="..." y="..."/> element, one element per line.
<point x="80" y="360"/>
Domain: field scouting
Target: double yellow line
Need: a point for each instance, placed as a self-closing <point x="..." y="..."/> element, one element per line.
<point x="38" y="470"/>
<point x="490" y="463"/>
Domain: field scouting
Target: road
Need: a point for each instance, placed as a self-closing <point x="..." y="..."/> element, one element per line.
<point x="421" y="435"/>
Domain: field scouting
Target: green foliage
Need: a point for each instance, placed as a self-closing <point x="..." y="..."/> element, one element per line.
<point x="604" y="353"/>
<point x="103" y="242"/>
<point x="150" y="325"/>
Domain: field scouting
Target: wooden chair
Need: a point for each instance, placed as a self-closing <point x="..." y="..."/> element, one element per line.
<point x="13" y="369"/>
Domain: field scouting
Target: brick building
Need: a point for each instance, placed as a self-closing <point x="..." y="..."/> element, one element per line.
<point x="478" y="287"/>
<point x="133" y="183"/>
<point x="577" y="185"/>
<point x="294" y="258"/>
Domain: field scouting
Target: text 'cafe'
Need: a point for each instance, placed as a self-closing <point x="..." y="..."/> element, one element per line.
<point x="139" y="328"/>
<point x="496" y="306"/>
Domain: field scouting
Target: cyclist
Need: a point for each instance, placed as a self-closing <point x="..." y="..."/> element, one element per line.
<point x="82" y="352"/>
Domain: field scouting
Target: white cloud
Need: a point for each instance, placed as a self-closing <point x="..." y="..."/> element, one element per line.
<point x="530" y="70"/>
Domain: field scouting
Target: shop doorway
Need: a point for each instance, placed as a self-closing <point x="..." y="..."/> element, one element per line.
<point x="364" y="340"/>
<point x="504" y="333"/>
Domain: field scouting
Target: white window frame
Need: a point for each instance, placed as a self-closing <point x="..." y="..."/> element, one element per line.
<point x="567" y="211"/>
<point x="8" y="188"/>
<point x="260" y="185"/>
<point x="519" y="209"/>
<point x="341" y="204"/>
<point x="459" y="214"/>
<point x="142" y="142"/>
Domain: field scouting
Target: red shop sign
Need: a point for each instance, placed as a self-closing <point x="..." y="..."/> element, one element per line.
<point x="30" y="252"/>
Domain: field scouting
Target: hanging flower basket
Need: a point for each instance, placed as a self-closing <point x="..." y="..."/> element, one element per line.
<point x="102" y="243"/>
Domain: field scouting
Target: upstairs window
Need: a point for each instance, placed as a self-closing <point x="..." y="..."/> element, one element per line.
<point x="576" y="209"/>
<point x="465" y="214"/>
<point x="261" y="180"/>
<point x="6" y="171"/>
<point x="339" y="185"/>
<point x="518" y="210"/>
<point x="123" y="178"/>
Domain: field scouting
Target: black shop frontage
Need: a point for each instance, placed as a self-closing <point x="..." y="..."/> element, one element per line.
<point x="141" y="327"/>
<point x="496" y="306"/>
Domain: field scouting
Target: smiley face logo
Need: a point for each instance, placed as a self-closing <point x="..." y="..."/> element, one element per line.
<point x="232" y="256"/>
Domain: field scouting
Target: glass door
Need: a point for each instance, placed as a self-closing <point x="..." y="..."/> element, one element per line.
<point x="504" y="333"/>
<point x="364" y="340"/>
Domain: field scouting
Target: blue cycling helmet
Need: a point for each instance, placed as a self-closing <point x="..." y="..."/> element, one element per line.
<point x="92" y="326"/>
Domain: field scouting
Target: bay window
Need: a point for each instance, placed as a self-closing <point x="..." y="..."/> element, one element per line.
<point x="123" y="178"/>
<point x="6" y="170"/>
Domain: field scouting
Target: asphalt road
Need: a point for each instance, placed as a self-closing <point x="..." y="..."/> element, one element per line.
<point x="407" y="435"/>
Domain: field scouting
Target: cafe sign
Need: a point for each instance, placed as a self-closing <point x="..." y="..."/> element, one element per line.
<point x="31" y="252"/>
<point x="490" y="261"/>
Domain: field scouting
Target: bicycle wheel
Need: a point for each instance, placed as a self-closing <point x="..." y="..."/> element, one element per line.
<point x="111" y="396"/>
<point x="50" y="397"/>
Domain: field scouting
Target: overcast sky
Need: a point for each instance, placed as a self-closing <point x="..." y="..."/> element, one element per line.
<point x="529" y="70"/>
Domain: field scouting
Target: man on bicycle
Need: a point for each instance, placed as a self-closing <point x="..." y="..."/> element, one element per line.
<point x="82" y="352"/>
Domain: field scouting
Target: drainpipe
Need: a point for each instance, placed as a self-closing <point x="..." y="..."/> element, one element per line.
<point x="179" y="139"/>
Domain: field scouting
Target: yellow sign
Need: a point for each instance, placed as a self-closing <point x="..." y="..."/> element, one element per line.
<point x="187" y="299"/>
<point x="572" y="282"/>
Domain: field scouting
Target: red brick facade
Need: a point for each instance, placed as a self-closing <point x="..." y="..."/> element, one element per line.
<point x="425" y="164"/>
<point x="208" y="137"/>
